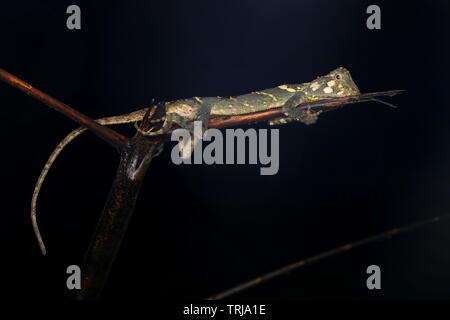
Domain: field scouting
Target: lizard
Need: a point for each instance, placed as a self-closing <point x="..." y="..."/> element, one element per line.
<point x="183" y="112"/>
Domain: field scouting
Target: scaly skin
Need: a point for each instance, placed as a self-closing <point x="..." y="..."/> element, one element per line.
<point x="337" y="83"/>
<point x="273" y="97"/>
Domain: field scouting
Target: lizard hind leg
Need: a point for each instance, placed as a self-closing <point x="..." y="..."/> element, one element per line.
<point x="155" y="121"/>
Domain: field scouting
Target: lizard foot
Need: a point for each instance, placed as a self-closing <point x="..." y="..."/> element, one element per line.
<point x="305" y="116"/>
<point x="154" y="122"/>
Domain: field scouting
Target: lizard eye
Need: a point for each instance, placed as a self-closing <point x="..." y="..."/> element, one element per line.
<point x="338" y="76"/>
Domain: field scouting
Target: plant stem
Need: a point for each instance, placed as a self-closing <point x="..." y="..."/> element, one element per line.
<point x="113" y="223"/>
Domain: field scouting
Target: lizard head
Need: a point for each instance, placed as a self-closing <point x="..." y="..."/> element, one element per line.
<point x="337" y="83"/>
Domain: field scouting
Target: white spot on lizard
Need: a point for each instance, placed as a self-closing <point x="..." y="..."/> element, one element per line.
<point x="327" y="90"/>
<point x="315" y="86"/>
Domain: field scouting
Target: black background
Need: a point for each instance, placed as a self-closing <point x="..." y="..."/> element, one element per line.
<point x="200" y="229"/>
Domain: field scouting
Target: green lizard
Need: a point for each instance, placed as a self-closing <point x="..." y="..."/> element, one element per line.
<point x="183" y="112"/>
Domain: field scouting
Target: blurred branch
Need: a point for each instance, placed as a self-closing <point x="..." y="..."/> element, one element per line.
<point x="321" y="256"/>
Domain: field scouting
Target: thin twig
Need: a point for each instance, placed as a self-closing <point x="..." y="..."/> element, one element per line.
<point x="321" y="105"/>
<point x="112" y="137"/>
<point x="324" y="255"/>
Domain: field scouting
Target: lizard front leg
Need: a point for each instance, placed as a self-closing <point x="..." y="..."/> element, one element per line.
<point x="304" y="115"/>
<point x="201" y="112"/>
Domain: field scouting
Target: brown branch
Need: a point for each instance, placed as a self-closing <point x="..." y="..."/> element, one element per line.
<point x="112" y="137"/>
<point x="324" y="255"/>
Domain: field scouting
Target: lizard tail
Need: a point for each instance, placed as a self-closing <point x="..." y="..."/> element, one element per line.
<point x="71" y="136"/>
<point x="131" y="117"/>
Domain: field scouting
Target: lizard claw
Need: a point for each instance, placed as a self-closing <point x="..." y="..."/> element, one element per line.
<point x="153" y="119"/>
